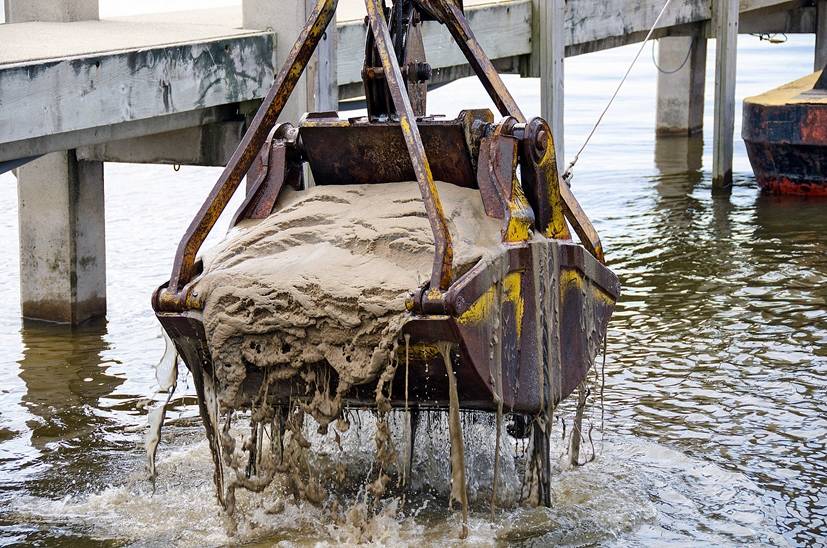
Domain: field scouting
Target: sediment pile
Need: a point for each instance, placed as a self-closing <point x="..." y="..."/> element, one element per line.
<point x="325" y="278"/>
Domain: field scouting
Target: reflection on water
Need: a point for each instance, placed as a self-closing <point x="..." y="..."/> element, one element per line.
<point x="716" y="430"/>
<point x="68" y="437"/>
<point x="65" y="380"/>
<point x="719" y="344"/>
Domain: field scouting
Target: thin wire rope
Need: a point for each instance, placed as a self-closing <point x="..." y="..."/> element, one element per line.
<point x="567" y="174"/>
<point x="683" y="64"/>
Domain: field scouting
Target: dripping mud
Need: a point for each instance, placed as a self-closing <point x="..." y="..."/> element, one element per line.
<point x="301" y="309"/>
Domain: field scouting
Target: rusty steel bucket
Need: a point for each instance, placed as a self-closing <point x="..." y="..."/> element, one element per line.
<point x="522" y="329"/>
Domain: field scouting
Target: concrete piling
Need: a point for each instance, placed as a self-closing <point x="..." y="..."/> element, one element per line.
<point x="60" y="210"/>
<point x="681" y="64"/>
<point x="62" y="239"/>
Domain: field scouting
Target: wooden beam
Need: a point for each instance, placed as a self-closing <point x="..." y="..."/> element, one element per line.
<point x="726" y="46"/>
<point x="552" y="55"/>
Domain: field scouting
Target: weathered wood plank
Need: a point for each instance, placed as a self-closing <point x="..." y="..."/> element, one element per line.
<point x="726" y="45"/>
<point x="552" y="56"/>
<point x="45" y="98"/>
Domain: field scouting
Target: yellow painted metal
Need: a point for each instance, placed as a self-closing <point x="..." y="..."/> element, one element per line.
<point x="520" y="217"/>
<point x="576" y="279"/>
<point x="479" y="312"/>
<point x="557" y="227"/>
<point x="513" y="292"/>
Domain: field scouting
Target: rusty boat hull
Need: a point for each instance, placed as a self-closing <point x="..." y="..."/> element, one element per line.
<point x="785" y="132"/>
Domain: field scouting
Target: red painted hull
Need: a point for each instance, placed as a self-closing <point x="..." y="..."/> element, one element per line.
<point x="783" y="185"/>
<point x="785" y="131"/>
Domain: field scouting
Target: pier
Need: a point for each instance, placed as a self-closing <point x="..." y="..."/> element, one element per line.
<point x="77" y="90"/>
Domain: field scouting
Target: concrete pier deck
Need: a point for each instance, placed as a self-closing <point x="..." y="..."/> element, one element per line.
<point x="65" y="85"/>
<point x="74" y="84"/>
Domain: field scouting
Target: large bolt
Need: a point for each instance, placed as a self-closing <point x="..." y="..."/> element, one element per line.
<point x="417" y="72"/>
<point x="542" y="140"/>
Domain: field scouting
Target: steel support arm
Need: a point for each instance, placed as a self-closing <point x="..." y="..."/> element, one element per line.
<point x="242" y="159"/>
<point x="443" y="256"/>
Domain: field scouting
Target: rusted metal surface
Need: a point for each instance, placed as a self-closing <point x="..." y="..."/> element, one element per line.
<point x="493" y="301"/>
<point x="786" y="137"/>
<point x="369" y="153"/>
<point x="581" y="224"/>
<point x="526" y="324"/>
<point x="278" y="163"/>
<point x="541" y="180"/>
<point x="417" y="71"/>
<point x="405" y="27"/>
<point x="443" y="252"/>
<point x="449" y="13"/>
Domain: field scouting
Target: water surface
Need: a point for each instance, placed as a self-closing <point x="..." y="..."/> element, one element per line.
<point x="716" y="376"/>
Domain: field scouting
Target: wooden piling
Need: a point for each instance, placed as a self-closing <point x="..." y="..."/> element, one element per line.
<point x="550" y="43"/>
<point x="725" y="23"/>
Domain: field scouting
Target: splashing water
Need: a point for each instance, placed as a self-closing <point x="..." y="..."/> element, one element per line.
<point x="166" y="373"/>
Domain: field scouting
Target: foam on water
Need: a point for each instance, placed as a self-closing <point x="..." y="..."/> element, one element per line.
<point x="633" y="493"/>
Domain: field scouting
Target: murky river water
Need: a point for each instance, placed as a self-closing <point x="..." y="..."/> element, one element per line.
<point x="716" y="377"/>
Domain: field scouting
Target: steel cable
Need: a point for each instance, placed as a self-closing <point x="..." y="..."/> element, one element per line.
<point x="567" y="174"/>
